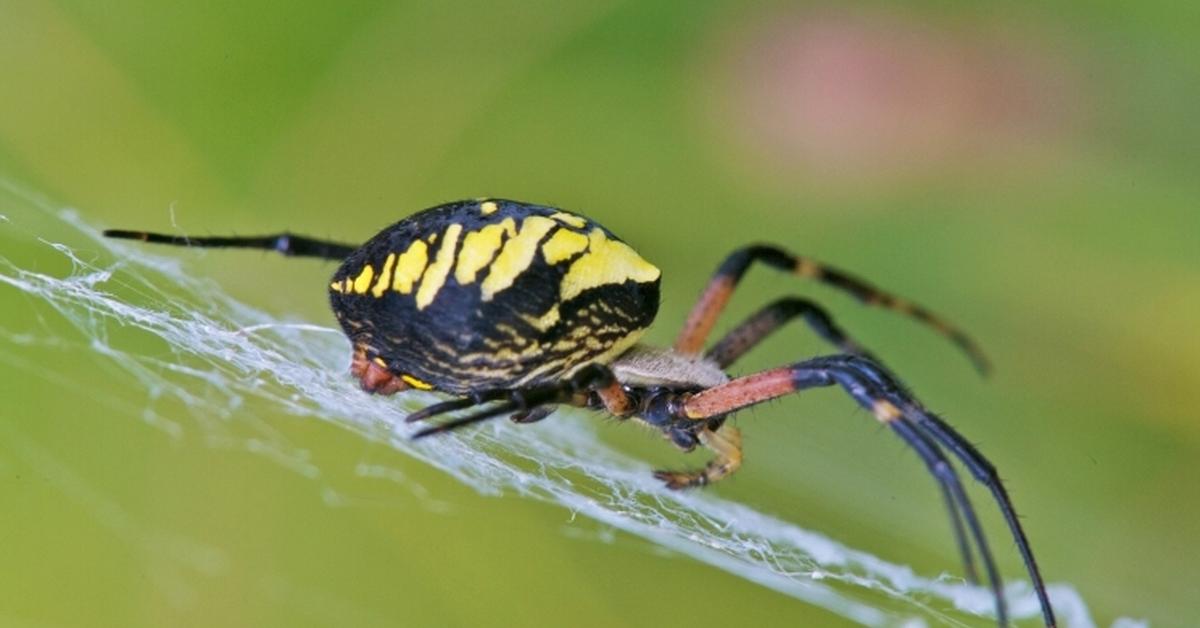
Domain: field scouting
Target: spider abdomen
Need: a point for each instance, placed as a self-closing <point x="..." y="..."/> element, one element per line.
<point x="479" y="295"/>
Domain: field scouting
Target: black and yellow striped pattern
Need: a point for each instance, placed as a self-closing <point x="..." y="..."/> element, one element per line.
<point x="493" y="293"/>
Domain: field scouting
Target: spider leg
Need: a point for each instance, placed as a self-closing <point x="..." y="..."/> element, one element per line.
<point x="720" y="287"/>
<point x="532" y="415"/>
<point x="483" y="415"/>
<point x="468" y="401"/>
<point x="526" y="402"/>
<point x="285" y="243"/>
<point x="960" y="536"/>
<point x="769" y="319"/>
<point x="876" y="390"/>
<point x="939" y="466"/>
<point x="985" y="472"/>
<point x="726" y="443"/>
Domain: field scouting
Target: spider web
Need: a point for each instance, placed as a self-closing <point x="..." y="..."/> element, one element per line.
<point x="226" y="354"/>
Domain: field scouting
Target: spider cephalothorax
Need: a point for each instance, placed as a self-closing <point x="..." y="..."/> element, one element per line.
<point x="518" y="308"/>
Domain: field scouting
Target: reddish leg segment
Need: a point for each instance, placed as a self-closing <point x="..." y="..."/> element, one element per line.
<point x="716" y="295"/>
<point x="894" y="406"/>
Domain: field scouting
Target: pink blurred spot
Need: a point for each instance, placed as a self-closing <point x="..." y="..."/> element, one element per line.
<point x="853" y="98"/>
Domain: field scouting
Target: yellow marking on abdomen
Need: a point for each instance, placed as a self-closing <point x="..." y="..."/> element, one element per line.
<point x="562" y="245"/>
<point x="416" y="383"/>
<point x="606" y="262"/>
<point x="545" y="367"/>
<point x="435" y="275"/>
<point x="338" y="287"/>
<point x="516" y="256"/>
<point x="488" y="208"/>
<point x="385" y="276"/>
<point x="618" y="347"/>
<point x="363" y="281"/>
<point x="409" y="267"/>
<point x="564" y="345"/>
<point x="545" y="321"/>
<point x="569" y="219"/>
<point x="512" y="333"/>
<point x="479" y="247"/>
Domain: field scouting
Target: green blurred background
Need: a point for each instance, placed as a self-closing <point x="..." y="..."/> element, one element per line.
<point x="1030" y="172"/>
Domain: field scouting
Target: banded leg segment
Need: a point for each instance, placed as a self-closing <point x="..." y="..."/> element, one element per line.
<point x="875" y="389"/>
<point x="768" y="320"/>
<point x="716" y="295"/>
<point x="286" y="243"/>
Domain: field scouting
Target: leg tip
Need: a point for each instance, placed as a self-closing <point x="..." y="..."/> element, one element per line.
<point x="680" y="480"/>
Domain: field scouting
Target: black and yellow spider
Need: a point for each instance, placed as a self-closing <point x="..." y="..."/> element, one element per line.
<point x="525" y="307"/>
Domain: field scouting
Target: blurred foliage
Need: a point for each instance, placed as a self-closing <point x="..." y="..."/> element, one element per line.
<point x="1029" y="172"/>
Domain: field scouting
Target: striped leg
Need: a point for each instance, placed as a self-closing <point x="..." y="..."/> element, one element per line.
<point x="768" y="320"/>
<point x="716" y="295"/>
<point x="873" y="388"/>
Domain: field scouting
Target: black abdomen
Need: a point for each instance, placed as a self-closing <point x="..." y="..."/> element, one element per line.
<point x="488" y="294"/>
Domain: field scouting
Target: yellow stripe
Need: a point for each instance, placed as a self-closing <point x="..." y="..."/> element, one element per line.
<point x="606" y="262"/>
<point x="363" y="281"/>
<point x="569" y="219"/>
<point x="336" y="287"/>
<point x="546" y="367"/>
<point x="488" y="208"/>
<point x="479" y="247"/>
<point x="562" y="245"/>
<point x="512" y="333"/>
<point x="409" y="267"/>
<point x="545" y="321"/>
<point x="564" y="345"/>
<point x="516" y="256"/>
<point x="416" y="383"/>
<point x="435" y="276"/>
<point x="385" y="276"/>
<point x="616" y="349"/>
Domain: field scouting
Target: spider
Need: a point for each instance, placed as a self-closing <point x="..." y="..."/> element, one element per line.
<point x="517" y="308"/>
